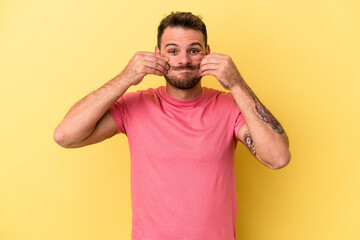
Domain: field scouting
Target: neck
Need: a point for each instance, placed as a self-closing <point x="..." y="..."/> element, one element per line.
<point x="184" y="94"/>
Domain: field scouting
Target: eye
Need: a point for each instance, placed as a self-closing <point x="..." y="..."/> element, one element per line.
<point x="172" y="51"/>
<point x="194" y="51"/>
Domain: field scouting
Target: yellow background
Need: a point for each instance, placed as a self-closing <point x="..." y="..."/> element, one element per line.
<point x="302" y="58"/>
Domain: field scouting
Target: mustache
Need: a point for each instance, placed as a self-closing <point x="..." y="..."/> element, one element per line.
<point x="185" y="67"/>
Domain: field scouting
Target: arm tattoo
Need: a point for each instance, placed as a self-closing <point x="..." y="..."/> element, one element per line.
<point x="264" y="114"/>
<point x="267" y="117"/>
<point x="250" y="143"/>
<point x="227" y="87"/>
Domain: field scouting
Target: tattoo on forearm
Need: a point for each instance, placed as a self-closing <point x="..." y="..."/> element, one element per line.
<point x="224" y="85"/>
<point x="264" y="114"/>
<point x="267" y="117"/>
<point x="250" y="143"/>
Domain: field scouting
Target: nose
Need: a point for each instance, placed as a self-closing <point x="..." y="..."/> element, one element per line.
<point x="184" y="59"/>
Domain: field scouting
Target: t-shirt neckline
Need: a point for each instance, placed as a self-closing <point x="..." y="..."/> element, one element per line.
<point x="181" y="103"/>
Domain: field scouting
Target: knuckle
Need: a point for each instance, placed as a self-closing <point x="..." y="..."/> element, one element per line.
<point x="138" y="54"/>
<point x="136" y="57"/>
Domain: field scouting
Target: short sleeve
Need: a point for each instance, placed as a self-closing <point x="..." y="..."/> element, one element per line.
<point x="239" y="121"/>
<point x="117" y="110"/>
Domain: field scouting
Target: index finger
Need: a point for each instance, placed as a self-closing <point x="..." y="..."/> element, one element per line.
<point x="209" y="59"/>
<point x="151" y="54"/>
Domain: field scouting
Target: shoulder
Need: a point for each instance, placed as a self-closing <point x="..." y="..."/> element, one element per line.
<point x="223" y="101"/>
<point x="220" y="96"/>
<point x="139" y="97"/>
<point x="140" y="94"/>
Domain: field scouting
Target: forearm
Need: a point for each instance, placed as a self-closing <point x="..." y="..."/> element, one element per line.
<point x="262" y="133"/>
<point x="270" y="141"/>
<point x="81" y="119"/>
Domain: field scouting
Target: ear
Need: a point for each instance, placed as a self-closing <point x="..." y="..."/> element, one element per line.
<point x="207" y="49"/>
<point x="157" y="50"/>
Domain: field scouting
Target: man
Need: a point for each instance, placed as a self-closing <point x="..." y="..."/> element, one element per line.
<point x="182" y="136"/>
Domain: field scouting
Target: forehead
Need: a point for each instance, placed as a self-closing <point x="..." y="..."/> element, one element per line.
<point x="181" y="36"/>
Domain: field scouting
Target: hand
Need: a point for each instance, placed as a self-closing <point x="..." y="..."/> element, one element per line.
<point x="142" y="64"/>
<point x="222" y="68"/>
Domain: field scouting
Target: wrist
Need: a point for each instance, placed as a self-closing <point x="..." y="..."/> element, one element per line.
<point x="121" y="81"/>
<point x="118" y="85"/>
<point x="242" y="90"/>
<point x="237" y="84"/>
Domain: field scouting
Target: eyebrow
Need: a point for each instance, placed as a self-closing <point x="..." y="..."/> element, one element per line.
<point x="171" y="44"/>
<point x="174" y="44"/>
<point x="196" y="44"/>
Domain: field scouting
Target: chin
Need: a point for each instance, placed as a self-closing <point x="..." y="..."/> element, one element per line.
<point x="183" y="83"/>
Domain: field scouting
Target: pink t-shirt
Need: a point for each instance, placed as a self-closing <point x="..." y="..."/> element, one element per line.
<point x="182" y="163"/>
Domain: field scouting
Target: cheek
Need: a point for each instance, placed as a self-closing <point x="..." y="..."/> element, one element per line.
<point x="199" y="57"/>
<point x="172" y="61"/>
<point x="166" y="54"/>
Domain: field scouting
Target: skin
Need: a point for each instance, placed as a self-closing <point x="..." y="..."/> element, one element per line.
<point x="262" y="134"/>
<point x="183" y="47"/>
<point x="89" y="120"/>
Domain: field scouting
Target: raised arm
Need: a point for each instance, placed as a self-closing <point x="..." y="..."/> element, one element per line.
<point x="89" y="120"/>
<point x="262" y="133"/>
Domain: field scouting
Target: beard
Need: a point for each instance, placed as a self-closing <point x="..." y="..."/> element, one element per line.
<point x="187" y="80"/>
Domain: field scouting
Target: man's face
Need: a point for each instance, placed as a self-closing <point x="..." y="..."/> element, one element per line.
<point x="185" y="48"/>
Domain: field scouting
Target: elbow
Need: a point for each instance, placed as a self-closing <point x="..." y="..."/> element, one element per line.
<point x="60" y="138"/>
<point x="281" y="161"/>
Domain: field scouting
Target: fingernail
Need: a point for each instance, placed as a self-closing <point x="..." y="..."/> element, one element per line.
<point x="166" y="58"/>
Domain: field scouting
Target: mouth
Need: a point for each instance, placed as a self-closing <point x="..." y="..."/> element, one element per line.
<point x="186" y="68"/>
<point x="183" y="70"/>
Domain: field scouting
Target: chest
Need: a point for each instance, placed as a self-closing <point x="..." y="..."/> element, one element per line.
<point x="204" y="132"/>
